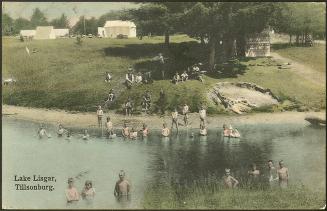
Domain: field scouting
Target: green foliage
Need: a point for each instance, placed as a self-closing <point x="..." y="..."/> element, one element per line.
<point x="7" y="24"/>
<point x="38" y="18"/>
<point x="86" y="26"/>
<point x="61" y="22"/>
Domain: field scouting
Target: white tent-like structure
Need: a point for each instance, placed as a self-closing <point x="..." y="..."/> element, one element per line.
<point x="27" y="33"/>
<point x="61" y="32"/>
<point x="101" y="32"/>
<point x="44" y="33"/>
<point x="114" y="28"/>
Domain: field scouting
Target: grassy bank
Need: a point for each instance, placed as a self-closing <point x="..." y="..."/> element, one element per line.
<point x="64" y="75"/>
<point x="314" y="57"/>
<point x="213" y="196"/>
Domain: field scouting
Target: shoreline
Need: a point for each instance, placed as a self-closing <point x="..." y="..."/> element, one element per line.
<point x="89" y="120"/>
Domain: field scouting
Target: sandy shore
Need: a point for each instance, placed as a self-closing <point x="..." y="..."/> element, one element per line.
<point x="89" y="120"/>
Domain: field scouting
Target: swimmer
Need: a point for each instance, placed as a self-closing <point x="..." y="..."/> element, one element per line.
<point x="86" y="135"/>
<point x="42" y="132"/>
<point x="109" y="127"/>
<point x="145" y="131"/>
<point x="68" y="135"/>
<point x="88" y="191"/>
<point x="125" y="131"/>
<point x="100" y="115"/>
<point x="272" y="172"/>
<point x="122" y="187"/>
<point x="174" y="116"/>
<point x="226" y="131"/>
<point x="254" y="172"/>
<point x="185" y="112"/>
<point x="233" y="132"/>
<point x="165" y="131"/>
<point x="133" y="134"/>
<point x="229" y="181"/>
<point x="71" y="192"/>
<point x="61" y="130"/>
<point x="203" y="115"/>
<point x="203" y="130"/>
<point x="282" y="175"/>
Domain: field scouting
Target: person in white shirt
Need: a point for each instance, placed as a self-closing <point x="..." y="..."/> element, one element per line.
<point x="100" y="115"/>
<point x="138" y="78"/>
<point x="184" y="76"/>
<point x="108" y="77"/>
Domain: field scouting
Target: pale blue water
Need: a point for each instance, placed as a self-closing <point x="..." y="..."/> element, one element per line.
<point x="152" y="160"/>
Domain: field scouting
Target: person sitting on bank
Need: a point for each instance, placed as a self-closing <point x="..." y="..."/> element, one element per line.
<point x="176" y="78"/>
<point x="138" y="78"/>
<point x="125" y="131"/>
<point x="229" y="181"/>
<point x="88" y="191"/>
<point x="203" y="130"/>
<point x="108" y="77"/>
<point x="146" y="78"/>
<point x="122" y="187"/>
<point x="71" y="192"/>
<point x="111" y="95"/>
<point x="165" y="130"/>
<point x="184" y="76"/>
<point x="128" y="107"/>
<point x="129" y="79"/>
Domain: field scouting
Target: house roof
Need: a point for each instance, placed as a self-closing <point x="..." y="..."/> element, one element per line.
<point x="27" y="32"/>
<point x="119" y="23"/>
<point x="43" y="31"/>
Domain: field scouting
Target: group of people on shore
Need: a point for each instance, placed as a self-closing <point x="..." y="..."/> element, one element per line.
<point x="121" y="190"/>
<point x="193" y="72"/>
<point x="272" y="175"/>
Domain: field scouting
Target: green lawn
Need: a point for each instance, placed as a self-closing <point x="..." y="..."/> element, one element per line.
<point x="67" y="76"/>
<point x="314" y="57"/>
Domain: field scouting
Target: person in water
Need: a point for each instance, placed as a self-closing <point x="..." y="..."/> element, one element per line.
<point x="165" y="130"/>
<point x="125" y="131"/>
<point x="185" y="112"/>
<point x="88" y="191"/>
<point x="282" y="175"/>
<point x="61" y="130"/>
<point x="42" y="132"/>
<point x="100" y="115"/>
<point x="133" y="134"/>
<point x="226" y="131"/>
<point x="229" y="181"/>
<point x="254" y="174"/>
<point x="234" y="132"/>
<point x="109" y="127"/>
<point x="69" y="135"/>
<point x="203" y="115"/>
<point x="203" y="130"/>
<point x="86" y="135"/>
<point x="272" y="172"/>
<point x="145" y="130"/>
<point x="174" y="118"/>
<point x="122" y="187"/>
<point x="71" y="192"/>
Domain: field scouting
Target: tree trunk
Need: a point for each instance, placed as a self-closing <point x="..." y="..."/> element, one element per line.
<point x="212" y="53"/>
<point x="241" y="46"/>
<point x="202" y="40"/>
<point x="303" y="38"/>
<point x="167" y="38"/>
<point x="297" y="39"/>
<point x="290" y="43"/>
<point x="228" y="46"/>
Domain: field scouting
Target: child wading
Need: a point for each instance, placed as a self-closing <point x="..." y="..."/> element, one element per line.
<point x="88" y="191"/>
<point x="71" y="192"/>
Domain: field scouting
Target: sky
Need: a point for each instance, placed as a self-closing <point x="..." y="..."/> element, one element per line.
<point x="73" y="10"/>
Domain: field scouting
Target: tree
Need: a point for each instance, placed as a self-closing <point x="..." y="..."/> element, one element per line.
<point x="114" y="15"/>
<point x="21" y="24"/>
<point x="7" y="24"/>
<point x="61" y="22"/>
<point x="38" y="18"/>
<point x="86" y="26"/>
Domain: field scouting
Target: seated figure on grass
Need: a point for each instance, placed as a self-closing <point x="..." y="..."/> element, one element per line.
<point x="176" y="78"/>
<point x="184" y="76"/>
<point x="138" y="78"/>
<point x="128" y="107"/>
<point x="129" y="79"/>
<point x="108" y="77"/>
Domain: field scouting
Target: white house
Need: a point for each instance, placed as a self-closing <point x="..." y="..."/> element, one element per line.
<point x="116" y="27"/>
<point x="61" y="32"/>
<point x="27" y="33"/>
<point x="44" y="32"/>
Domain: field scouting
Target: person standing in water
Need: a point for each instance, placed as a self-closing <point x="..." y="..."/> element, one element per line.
<point x="229" y="181"/>
<point x="203" y="116"/>
<point x="71" y="192"/>
<point x="125" y="131"/>
<point x="185" y="112"/>
<point x="61" y="130"/>
<point x="100" y="115"/>
<point x="174" y="119"/>
<point x="165" y="130"/>
<point x="42" y="132"/>
<point x="271" y="173"/>
<point x="203" y="130"/>
<point x="109" y="127"/>
<point x="282" y="175"/>
<point x="88" y="191"/>
<point x="86" y="135"/>
<point x="145" y="131"/>
<point x="122" y="187"/>
<point x="254" y="174"/>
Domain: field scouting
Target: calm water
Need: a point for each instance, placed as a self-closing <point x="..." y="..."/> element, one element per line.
<point x="154" y="159"/>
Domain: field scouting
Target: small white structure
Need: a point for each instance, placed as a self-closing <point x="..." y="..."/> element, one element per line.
<point x="61" y="32"/>
<point x="101" y="32"/>
<point x="44" y="32"/>
<point x="117" y="27"/>
<point x="27" y="33"/>
<point x="258" y="45"/>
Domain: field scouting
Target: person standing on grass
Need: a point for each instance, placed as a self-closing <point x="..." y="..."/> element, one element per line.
<point x="282" y="175"/>
<point x="229" y="181"/>
<point x="174" y="119"/>
<point x="203" y="116"/>
<point x="162" y="65"/>
<point x="129" y="79"/>
<point x="185" y="112"/>
<point x="100" y="115"/>
<point x="128" y="107"/>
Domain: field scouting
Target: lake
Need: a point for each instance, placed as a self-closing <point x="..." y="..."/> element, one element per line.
<point x="152" y="160"/>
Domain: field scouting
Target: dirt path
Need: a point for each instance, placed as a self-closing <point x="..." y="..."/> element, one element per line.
<point x="89" y="120"/>
<point x="304" y="71"/>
